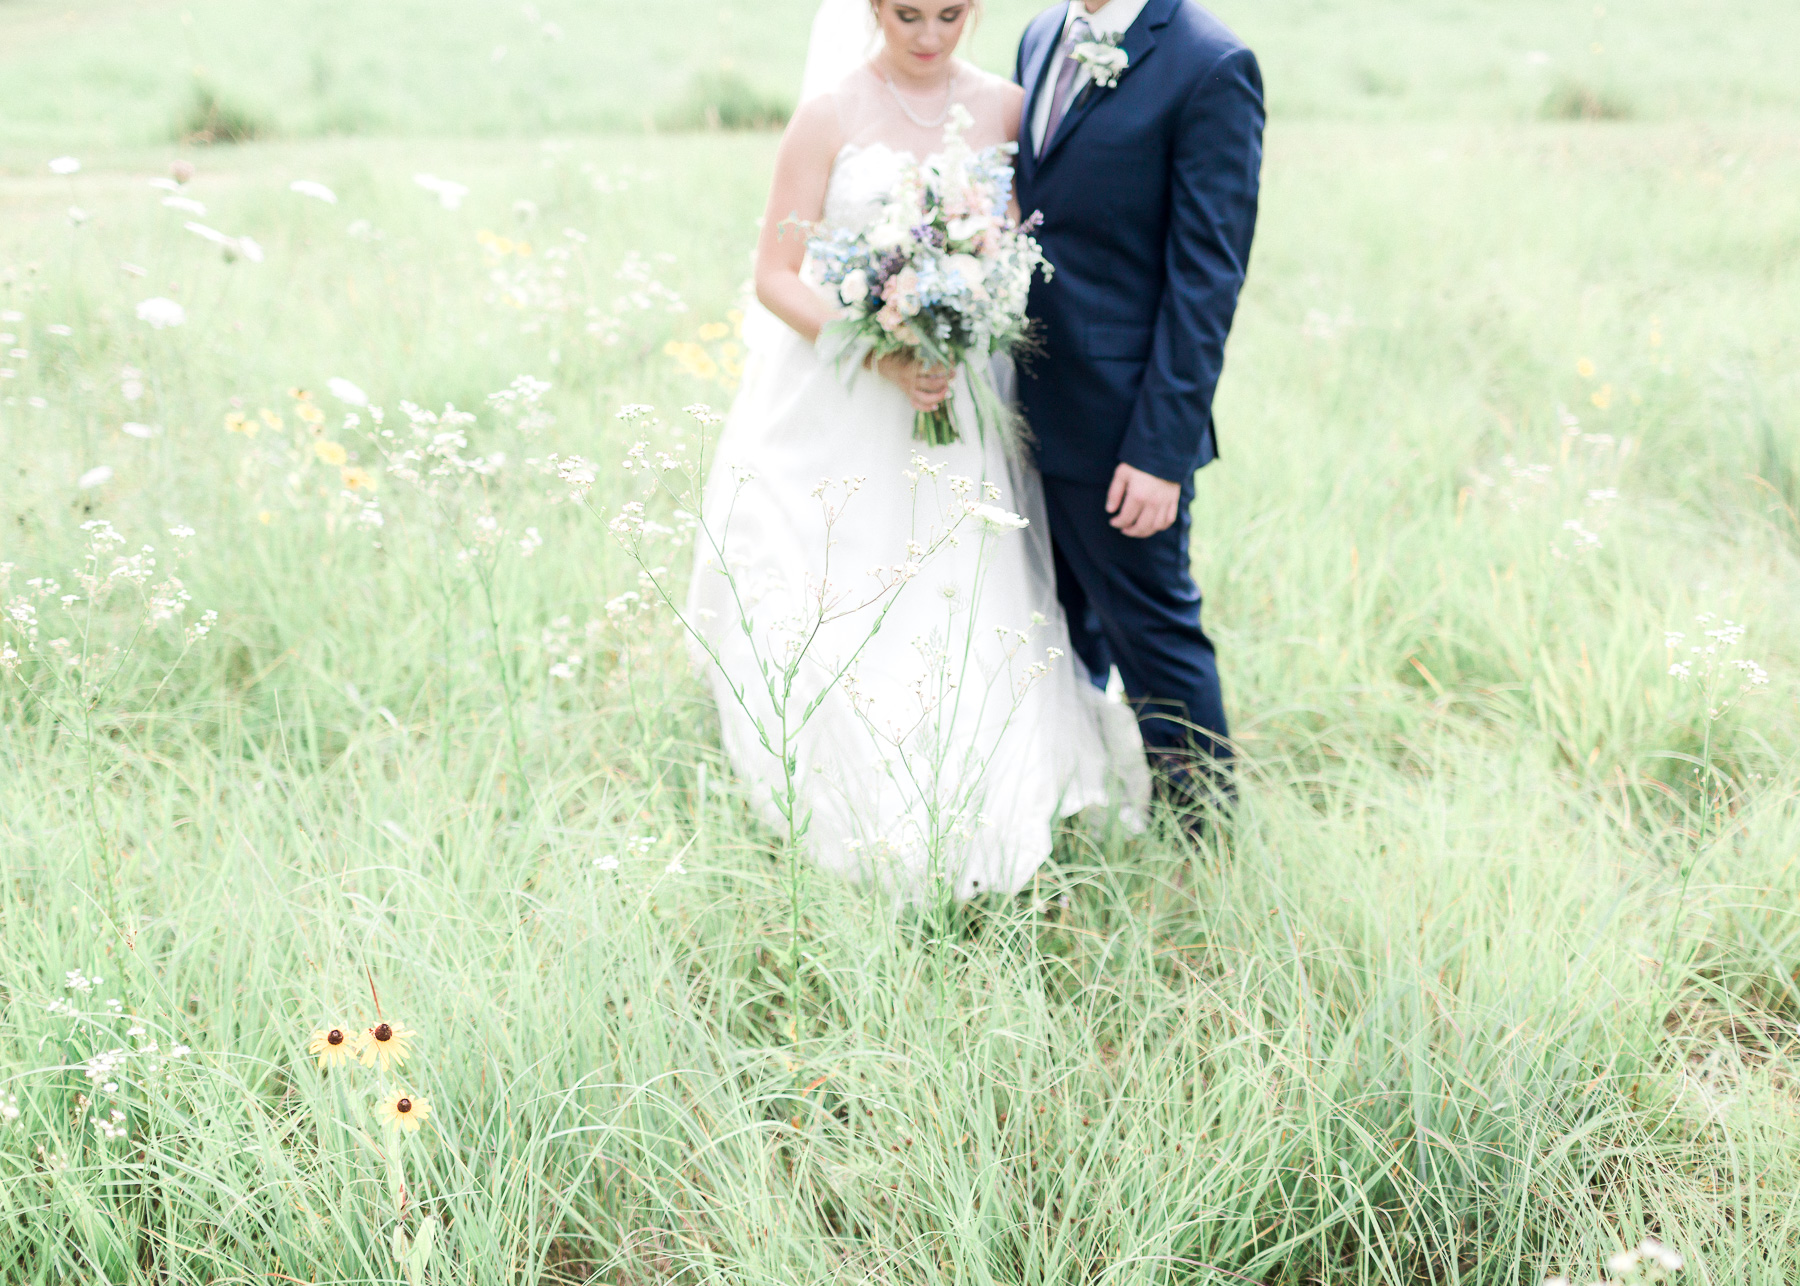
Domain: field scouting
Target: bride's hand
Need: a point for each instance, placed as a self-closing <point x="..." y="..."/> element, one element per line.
<point x="926" y="387"/>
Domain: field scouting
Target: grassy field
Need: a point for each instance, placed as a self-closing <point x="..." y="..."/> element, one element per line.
<point x="1498" y="974"/>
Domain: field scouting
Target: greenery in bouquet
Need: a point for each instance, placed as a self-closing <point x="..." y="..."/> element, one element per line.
<point x="941" y="274"/>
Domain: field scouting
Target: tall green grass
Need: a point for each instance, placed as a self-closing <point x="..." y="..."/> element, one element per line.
<point x="1493" y="976"/>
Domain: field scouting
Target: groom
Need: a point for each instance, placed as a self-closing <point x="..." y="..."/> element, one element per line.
<point x="1142" y="148"/>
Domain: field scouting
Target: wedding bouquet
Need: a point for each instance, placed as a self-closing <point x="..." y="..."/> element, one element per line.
<point x="941" y="273"/>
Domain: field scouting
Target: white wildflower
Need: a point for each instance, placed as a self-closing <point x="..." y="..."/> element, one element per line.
<point x="317" y="191"/>
<point x="64" y="165"/>
<point x="98" y="476"/>
<point x="995" y="518"/>
<point x="449" y="194"/>
<point x="161" y="313"/>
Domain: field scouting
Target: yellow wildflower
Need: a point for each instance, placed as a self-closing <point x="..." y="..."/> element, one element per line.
<point x="334" y="1047"/>
<point x="265" y="517"/>
<point x="1603" y="396"/>
<point x="310" y="413"/>
<point x="1585" y="368"/>
<point x="385" y="1044"/>
<point x="523" y="249"/>
<point x="402" y="1110"/>
<point x="271" y="419"/>
<point x="356" y="479"/>
<point x="238" y="422"/>
<point x="331" y="453"/>
<point x="714" y="330"/>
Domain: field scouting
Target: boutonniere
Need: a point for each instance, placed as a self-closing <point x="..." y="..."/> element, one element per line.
<point x="1103" y="58"/>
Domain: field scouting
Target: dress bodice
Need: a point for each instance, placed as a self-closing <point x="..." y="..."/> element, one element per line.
<point x="862" y="180"/>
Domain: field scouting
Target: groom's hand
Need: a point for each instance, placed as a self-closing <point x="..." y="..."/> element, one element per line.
<point x="1141" y="503"/>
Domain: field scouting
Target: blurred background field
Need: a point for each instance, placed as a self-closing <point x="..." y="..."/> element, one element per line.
<point x="120" y="72"/>
<point x="1497" y="975"/>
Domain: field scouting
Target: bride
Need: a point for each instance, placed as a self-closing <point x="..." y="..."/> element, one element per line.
<point x="927" y="718"/>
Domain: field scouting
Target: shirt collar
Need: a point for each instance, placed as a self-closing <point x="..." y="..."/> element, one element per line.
<point x="1114" y="18"/>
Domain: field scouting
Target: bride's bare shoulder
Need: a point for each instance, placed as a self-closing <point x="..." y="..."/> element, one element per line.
<point x="816" y="128"/>
<point x="996" y="102"/>
<point x="998" y="88"/>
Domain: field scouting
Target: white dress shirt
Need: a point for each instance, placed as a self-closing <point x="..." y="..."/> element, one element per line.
<point x="1112" y="18"/>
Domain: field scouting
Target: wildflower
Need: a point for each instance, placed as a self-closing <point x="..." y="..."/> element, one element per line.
<point x="182" y="171"/>
<point x="1602" y="397"/>
<point x="356" y="479"/>
<point x="317" y="191"/>
<point x="1622" y="1264"/>
<point x="385" y="1044"/>
<point x="64" y="165"/>
<point x="161" y="313"/>
<point x="344" y="391"/>
<point x="132" y="429"/>
<point x="310" y="414"/>
<point x="607" y="862"/>
<point x="238" y="422"/>
<point x="401" y="1110"/>
<point x="269" y="418"/>
<point x="331" y="453"/>
<point x="1669" y="1261"/>
<point x="713" y="331"/>
<point x="98" y="476"/>
<point x="334" y="1047"/>
<point x="1585" y="368"/>
<point x="994" y="518"/>
<point x="187" y="205"/>
<point x="60" y="330"/>
<point x="449" y="194"/>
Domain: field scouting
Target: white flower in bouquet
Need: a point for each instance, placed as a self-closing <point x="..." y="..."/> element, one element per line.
<point x="855" y="288"/>
<point x="973" y="227"/>
<point x="970" y="269"/>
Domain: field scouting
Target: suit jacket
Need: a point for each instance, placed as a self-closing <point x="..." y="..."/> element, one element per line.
<point x="1148" y="192"/>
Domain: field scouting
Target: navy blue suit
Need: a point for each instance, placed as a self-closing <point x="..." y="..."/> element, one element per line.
<point x="1148" y="192"/>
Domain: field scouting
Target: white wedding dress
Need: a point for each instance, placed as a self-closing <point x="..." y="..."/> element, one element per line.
<point x="963" y="726"/>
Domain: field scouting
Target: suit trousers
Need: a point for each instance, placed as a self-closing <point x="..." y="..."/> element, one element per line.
<point x="1134" y="604"/>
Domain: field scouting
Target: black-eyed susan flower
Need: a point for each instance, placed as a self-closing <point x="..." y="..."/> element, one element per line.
<point x="238" y="422"/>
<point x="334" y="1047"/>
<point x="310" y="413"/>
<point x="356" y="479"/>
<point x="331" y="453"/>
<point x="269" y="418"/>
<point x="385" y="1045"/>
<point x="403" y="1110"/>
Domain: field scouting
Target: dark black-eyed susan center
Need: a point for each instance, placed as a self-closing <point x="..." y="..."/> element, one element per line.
<point x="334" y="1037"/>
<point x="404" y="1106"/>
<point x="383" y="1033"/>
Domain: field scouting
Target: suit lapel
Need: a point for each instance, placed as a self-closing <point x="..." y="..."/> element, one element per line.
<point x="1137" y="44"/>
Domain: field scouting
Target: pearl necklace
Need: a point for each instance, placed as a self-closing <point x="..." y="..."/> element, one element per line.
<point x="949" y="94"/>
